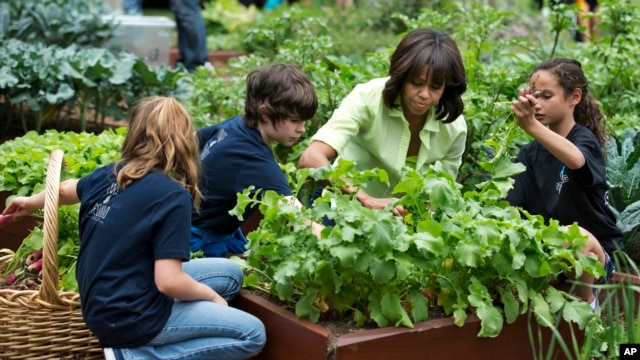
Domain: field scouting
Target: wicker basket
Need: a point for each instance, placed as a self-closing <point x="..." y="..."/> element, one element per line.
<point x="45" y="323"/>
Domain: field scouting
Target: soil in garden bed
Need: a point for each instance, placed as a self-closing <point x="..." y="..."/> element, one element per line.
<point x="333" y="321"/>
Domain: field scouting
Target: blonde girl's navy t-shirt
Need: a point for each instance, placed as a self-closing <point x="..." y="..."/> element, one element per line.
<point x="123" y="232"/>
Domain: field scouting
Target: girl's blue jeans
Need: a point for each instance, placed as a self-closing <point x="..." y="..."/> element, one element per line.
<point x="203" y="329"/>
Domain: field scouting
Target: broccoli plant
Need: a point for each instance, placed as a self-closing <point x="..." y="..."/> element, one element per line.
<point x="623" y="175"/>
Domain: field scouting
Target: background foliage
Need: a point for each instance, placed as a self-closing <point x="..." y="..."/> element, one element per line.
<point x="52" y="65"/>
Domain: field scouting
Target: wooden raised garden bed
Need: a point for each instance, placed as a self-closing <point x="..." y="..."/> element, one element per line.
<point x="623" y="277"/>
<point x="218" y="58"/>
<point x="289" y="337"/>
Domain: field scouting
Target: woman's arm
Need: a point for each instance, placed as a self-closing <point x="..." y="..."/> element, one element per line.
<point x="319" y="154"/>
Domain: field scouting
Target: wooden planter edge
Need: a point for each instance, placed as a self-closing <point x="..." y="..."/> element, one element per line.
<point x="289" y="337"/>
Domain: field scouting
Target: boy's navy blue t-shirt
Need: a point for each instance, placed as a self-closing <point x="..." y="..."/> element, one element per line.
<point x="233" y="157"/>
<point x="123" y="232"/>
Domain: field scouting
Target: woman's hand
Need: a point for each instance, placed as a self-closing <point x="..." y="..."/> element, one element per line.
<point x="381" y="203"/>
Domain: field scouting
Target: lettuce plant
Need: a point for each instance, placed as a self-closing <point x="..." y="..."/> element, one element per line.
<point x="466" y="252"/>
<point x="22" y="172"/>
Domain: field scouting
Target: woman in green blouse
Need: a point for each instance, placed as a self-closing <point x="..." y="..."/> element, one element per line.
<point x="413" y="117"/>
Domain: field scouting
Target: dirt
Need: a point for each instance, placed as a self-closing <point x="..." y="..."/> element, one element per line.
<point x="334" y="322"/>
<point x="337" y="325"/>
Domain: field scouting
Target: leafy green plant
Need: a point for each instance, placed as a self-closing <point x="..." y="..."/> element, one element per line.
<point x="52" y="64"/>
<point x="59" y="22"/>
<point x="612" y="73"/>
<point x="620" y="322"/>
<point x="41" y="82"/>
<point x="23" y="169"/>
<point x="466" y="252"/>
<point x="623" y="175"/>
<point x="226" y="22"/>
<point x="25" y="158"/>
<point x="68" y="247"/>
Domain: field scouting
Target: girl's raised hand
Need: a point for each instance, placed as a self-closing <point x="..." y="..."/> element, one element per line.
<point x="524" y="108"/>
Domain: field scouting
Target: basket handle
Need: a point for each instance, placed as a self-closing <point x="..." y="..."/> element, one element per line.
<point x="50" y="278"/>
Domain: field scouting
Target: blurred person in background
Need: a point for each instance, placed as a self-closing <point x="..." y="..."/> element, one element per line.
<point x="132" y="7"/>
<point x="588" y="20"/>
<point x="192" y="35"/>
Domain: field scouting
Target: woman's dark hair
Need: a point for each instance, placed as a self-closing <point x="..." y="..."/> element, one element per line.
<point x="434" y="51"/>
<point x="285" y="91"/>
<point x="569" y="74"/>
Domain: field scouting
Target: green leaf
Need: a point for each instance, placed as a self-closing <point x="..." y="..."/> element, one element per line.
<point x="428" y="238"/>
<point x="491" y="320"/>
<point x="382" y="271"/>
<point x="501" y="263"/>
<point x="578" y="312"/>
<point x="469" y="254"/>
<point x="405" y="265"/>
<point x="287" y="270"/>
<point x="284" y="290"/>
<point x="511" y="306"/>
<point x="541" y="310"/>
<point x="379" y="232"/>
<point x="393" y="311"/>
<point x="630" y="217"/>
<point x="251" y="281"/>
<point x="375" y="311"/>
<point x="419" y="306"/>
<point x="7" y="79"/>
<point x="347" y="255"/>
<point x="64" y="93"/>
<point x="504" y="168"/>
<point x="459" y="317"/>
<point x="305" y="308"/>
